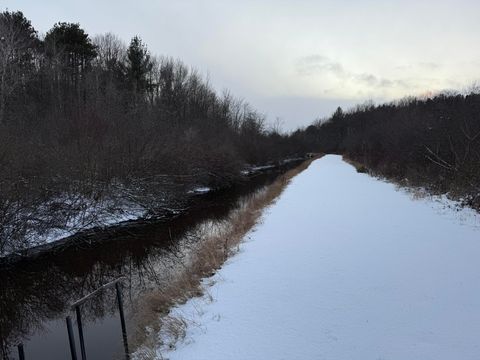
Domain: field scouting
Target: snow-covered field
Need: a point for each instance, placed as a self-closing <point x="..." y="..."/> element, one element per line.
<point x="344" y="267"/>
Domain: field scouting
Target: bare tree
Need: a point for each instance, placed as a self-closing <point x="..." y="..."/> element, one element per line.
<point x="18" y="44"/>
<point x="111" y="51"/>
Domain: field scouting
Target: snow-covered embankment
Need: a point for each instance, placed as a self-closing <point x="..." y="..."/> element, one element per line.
<point x="344" y="266"/>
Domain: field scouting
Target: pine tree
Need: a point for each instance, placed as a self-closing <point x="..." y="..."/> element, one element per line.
<point x="72" y="45"/>
<point x="139" y="65"/>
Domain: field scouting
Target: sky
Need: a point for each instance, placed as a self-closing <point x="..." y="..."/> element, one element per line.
<point x="296" y="60"/>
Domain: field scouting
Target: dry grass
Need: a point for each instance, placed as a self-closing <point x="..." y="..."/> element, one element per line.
<point x="216" y="242"/>
<point x="357" y="165"/>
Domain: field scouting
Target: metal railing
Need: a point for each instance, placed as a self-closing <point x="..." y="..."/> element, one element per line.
<point x="76" y="306"/>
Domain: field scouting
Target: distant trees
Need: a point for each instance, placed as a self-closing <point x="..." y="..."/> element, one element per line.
<point x="434" y="142"/>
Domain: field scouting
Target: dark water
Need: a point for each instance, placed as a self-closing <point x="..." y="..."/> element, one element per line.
<point x="35" y="295"/>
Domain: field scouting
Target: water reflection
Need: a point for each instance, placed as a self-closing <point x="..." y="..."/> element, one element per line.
<point x="35" y="295"/>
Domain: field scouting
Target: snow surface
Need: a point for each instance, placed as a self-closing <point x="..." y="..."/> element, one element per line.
<point x="74" y="213"/>
<point x="200" y="190"/>
<point x="255" y="169"/>
<point x="343" y="267"/>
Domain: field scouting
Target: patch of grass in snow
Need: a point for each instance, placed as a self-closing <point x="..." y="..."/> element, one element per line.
<point x="159" y="328"/>
<point x="357" y="165"/>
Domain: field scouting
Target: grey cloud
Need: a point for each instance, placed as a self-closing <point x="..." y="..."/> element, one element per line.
<point x="376" y="82"/>
<point x="312" y="64"/>
<point x="422" y="65"/>
<point x="316" y="63"/>
<point x="366" y="78"/>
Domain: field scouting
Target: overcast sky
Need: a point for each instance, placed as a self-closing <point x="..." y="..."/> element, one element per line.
<point x="295" y="59"/>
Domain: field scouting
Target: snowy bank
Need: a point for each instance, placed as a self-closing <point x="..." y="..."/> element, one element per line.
<point x="344" y="267"/>
<point x="53" y="222"/>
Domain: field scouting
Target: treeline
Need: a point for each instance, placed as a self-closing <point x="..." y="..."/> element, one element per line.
<point x="84" y="120"/>
<point x="433" y="143"/>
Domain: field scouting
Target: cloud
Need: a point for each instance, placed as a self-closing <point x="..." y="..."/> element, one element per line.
<point x="422" y="65"/>
<point x="312" y="64"/>
<point x="373" y="81"/>
<point x="369" y="79"/>
<point x="319" y="64"/>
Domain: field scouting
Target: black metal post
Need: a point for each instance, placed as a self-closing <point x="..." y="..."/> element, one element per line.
<point x="71" y="338"/>
<point x="80" y="332"/>
<point x="21" y="353"/>
<point x="122" y="320"/>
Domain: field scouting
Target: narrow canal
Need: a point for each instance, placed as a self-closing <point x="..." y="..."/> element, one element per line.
<point x="36" y="294"/>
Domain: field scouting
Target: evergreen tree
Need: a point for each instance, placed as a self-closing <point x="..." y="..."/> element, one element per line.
<point x="70" y="43"/>
<point x="139" y="65"/>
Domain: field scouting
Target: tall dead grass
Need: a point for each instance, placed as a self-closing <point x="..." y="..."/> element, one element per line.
<point x="361" y="168"/>
<point x="216" y="242"/>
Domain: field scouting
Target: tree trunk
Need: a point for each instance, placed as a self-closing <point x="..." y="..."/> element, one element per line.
<point x="2" y="106"/>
